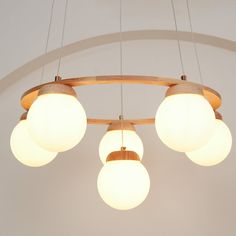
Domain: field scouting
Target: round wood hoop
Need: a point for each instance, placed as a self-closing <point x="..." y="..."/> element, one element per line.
<point x="211" y="95"/>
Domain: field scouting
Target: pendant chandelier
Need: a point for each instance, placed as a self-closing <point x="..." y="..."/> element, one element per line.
<point x="186" y="121"/>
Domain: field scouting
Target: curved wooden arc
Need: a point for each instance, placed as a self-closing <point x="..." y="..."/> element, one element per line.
<point x="150" y="34"/>
<point x="211" y="95"/>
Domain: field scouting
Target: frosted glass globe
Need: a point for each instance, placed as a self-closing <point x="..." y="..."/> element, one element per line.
<point x="123" y="184"/>
<point x="217" y="148"/>
<point x="26" y="150"/>
<point x="112" y="141"/>
<point x="184" y="122"/>
<point x="57" y="122"/>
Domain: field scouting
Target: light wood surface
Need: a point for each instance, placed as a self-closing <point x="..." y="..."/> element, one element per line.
<point x="184" y="88"/>
<point x="120" y="125"/>
<point x="212" y="96"/>
<point x="122" y="155"/>
<point x="57" y="88"/>
<point x="147" y="121"/>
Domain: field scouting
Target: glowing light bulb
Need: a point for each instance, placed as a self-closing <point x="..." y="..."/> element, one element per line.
<point x="112" y="141"/>
<point x="123" y="184"/>
<point x="217" y="148"/>
<point x="57" y="121"/>
<point x="26" y="150"/>
<point x="184" y="121"/>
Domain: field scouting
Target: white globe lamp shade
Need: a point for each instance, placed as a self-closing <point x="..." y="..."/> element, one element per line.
<point x="185" y="120"/>
<point x="123" y="184"/>
<point x="57" y="121"/>
<point x="217" y="148"/>
<point x="112" y="141"/>
<point x="26" y="150"/>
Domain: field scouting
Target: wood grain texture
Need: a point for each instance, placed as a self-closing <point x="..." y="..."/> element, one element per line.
<point x="211" y="95"/>
<point x="123" y="155"/>
<point x="147" y="121"/>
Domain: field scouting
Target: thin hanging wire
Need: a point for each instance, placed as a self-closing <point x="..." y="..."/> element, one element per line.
<point x="47" y="39"/>
<point x="121" y="117"/>
<point x="62" y="36"/>
<point x="194" y="42"/>
<point x="177" y="35"/>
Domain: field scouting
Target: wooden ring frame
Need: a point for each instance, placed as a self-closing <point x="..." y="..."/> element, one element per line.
<point x="211" y="95"/>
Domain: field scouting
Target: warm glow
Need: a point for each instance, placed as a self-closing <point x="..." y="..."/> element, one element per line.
<point x="216" y="150"/>
<point x="112" y="141"/>
<point x="123" y="184"/>
<point x="185" y="122"/>
<point x="26" y="150"/>
<point x="57" y="122"/>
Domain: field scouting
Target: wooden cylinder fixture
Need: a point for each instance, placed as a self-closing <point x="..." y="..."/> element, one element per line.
<point x="123" y="155"/>
<point x="57" y="88"/>
<point x="184" y="89"/>
<point x="120" y="125"/>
